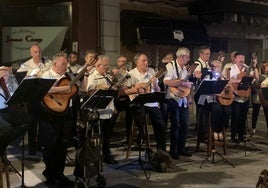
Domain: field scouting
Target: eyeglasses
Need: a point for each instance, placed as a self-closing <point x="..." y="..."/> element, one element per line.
<point x="186" y="56"/>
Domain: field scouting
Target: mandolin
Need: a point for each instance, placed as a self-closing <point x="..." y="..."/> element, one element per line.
<point x="226" y="97"/>
<point x="146" y="85"/>
<point x="59" y="102"/>
<point x="183" y="90"/>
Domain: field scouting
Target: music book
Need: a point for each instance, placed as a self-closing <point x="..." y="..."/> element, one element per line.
<point x="209" y="87"/>
<point x="20" y="76"/>
<point x="245" y="83"/>
<point x="31" y="90"/>
<point x="149" y="98"/>
<point x="100" y="99"/>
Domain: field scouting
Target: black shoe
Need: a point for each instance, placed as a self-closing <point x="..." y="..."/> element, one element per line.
<point x="185" y="153"/>
<point x="50" y="180"/>
<point x="109" y="160"/>
<point x="64" y="180"/>
<point x="174" y="156"/>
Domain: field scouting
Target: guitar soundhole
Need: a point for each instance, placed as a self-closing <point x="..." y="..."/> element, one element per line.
<point x="227" y="91"/>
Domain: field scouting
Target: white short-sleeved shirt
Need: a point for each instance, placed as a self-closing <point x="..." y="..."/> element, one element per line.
<point x="234" y="72"/>
<point x="201" y="64"/>
<point x="93" y="81"/>
<point x="32" y="68"/>
<point x="137" y="77"/>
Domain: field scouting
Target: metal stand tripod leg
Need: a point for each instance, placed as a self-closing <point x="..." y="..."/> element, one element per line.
<point x="147" y="157"/>
<point x="22" y="163"/>
<point x="247" y="140"/>
<point x="211" y="148"/>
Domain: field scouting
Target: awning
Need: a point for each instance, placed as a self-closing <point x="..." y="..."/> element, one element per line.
<point x="147" y="28"/>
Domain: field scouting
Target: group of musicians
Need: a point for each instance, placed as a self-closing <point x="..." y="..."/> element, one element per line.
<point x="180" y="78"/>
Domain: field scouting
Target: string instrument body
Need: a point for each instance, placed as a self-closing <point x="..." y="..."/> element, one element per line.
<point x="183" y="90"/>
<point x="146" y="85"/>
<point x="59" y="102"/>
<point x="226" y="97"/>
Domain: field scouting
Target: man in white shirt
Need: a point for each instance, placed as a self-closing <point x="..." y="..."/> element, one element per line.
<point x="55" y="130"/>
<point x="143" y="80"/>
<point x="240" y="104"/>
<point x="73" y="65"/>
<point x="99" y="79"/>
<point x="178" y="107"/>
<point x="34" y="67"/>
<point x="37" y="64"/>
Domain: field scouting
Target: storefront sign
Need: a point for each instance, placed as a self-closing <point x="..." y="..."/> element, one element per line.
<point x="17" y="41"/>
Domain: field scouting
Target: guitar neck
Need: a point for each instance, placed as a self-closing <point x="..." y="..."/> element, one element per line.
<point x="82" y="72"/>
<point x="78" y="76"/>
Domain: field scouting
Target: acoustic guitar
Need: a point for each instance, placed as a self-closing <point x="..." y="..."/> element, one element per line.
<point x="146" y="85"/>
<point x="244" y="93"/>
<point x="59" y="102"/>
<point x="182" y="90"/>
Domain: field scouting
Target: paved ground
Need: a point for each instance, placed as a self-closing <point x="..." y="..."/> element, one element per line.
<point x="247" y="159"/>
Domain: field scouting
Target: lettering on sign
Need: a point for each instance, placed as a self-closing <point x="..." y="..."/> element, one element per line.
<point x="178" y="34"/>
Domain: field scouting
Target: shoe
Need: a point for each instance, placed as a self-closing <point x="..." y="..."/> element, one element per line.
<point x="185" y="153"/>
<point x="174" y="156"/>
<point x="64" y="180"/>
<point x="50" y="181"/>
<point x="109" y="160"/>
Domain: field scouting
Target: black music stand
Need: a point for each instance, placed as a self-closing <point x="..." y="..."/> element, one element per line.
<point x="29" y="92"/>
<point x="99" y="99"/>
<point x="141" y="99"/>
<point x="245" y="83"/>
<point x="265" y="93"/>
<point x="149" y="98"/>
<point x="211" y="87"/>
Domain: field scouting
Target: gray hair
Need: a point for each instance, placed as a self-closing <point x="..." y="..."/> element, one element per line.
<point x="102" y="58"/>
<point x="58" y="55"/>
<point x="182" y="51"/>
<point x="137" y="56"/>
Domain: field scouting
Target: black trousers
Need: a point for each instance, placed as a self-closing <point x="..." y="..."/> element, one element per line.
<point x="55" y="134"/>
<point x="156" y="117"/>
<point x="239" y="119"/>
<point x="124" y="105"/>
<point x="107" y="131"/>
